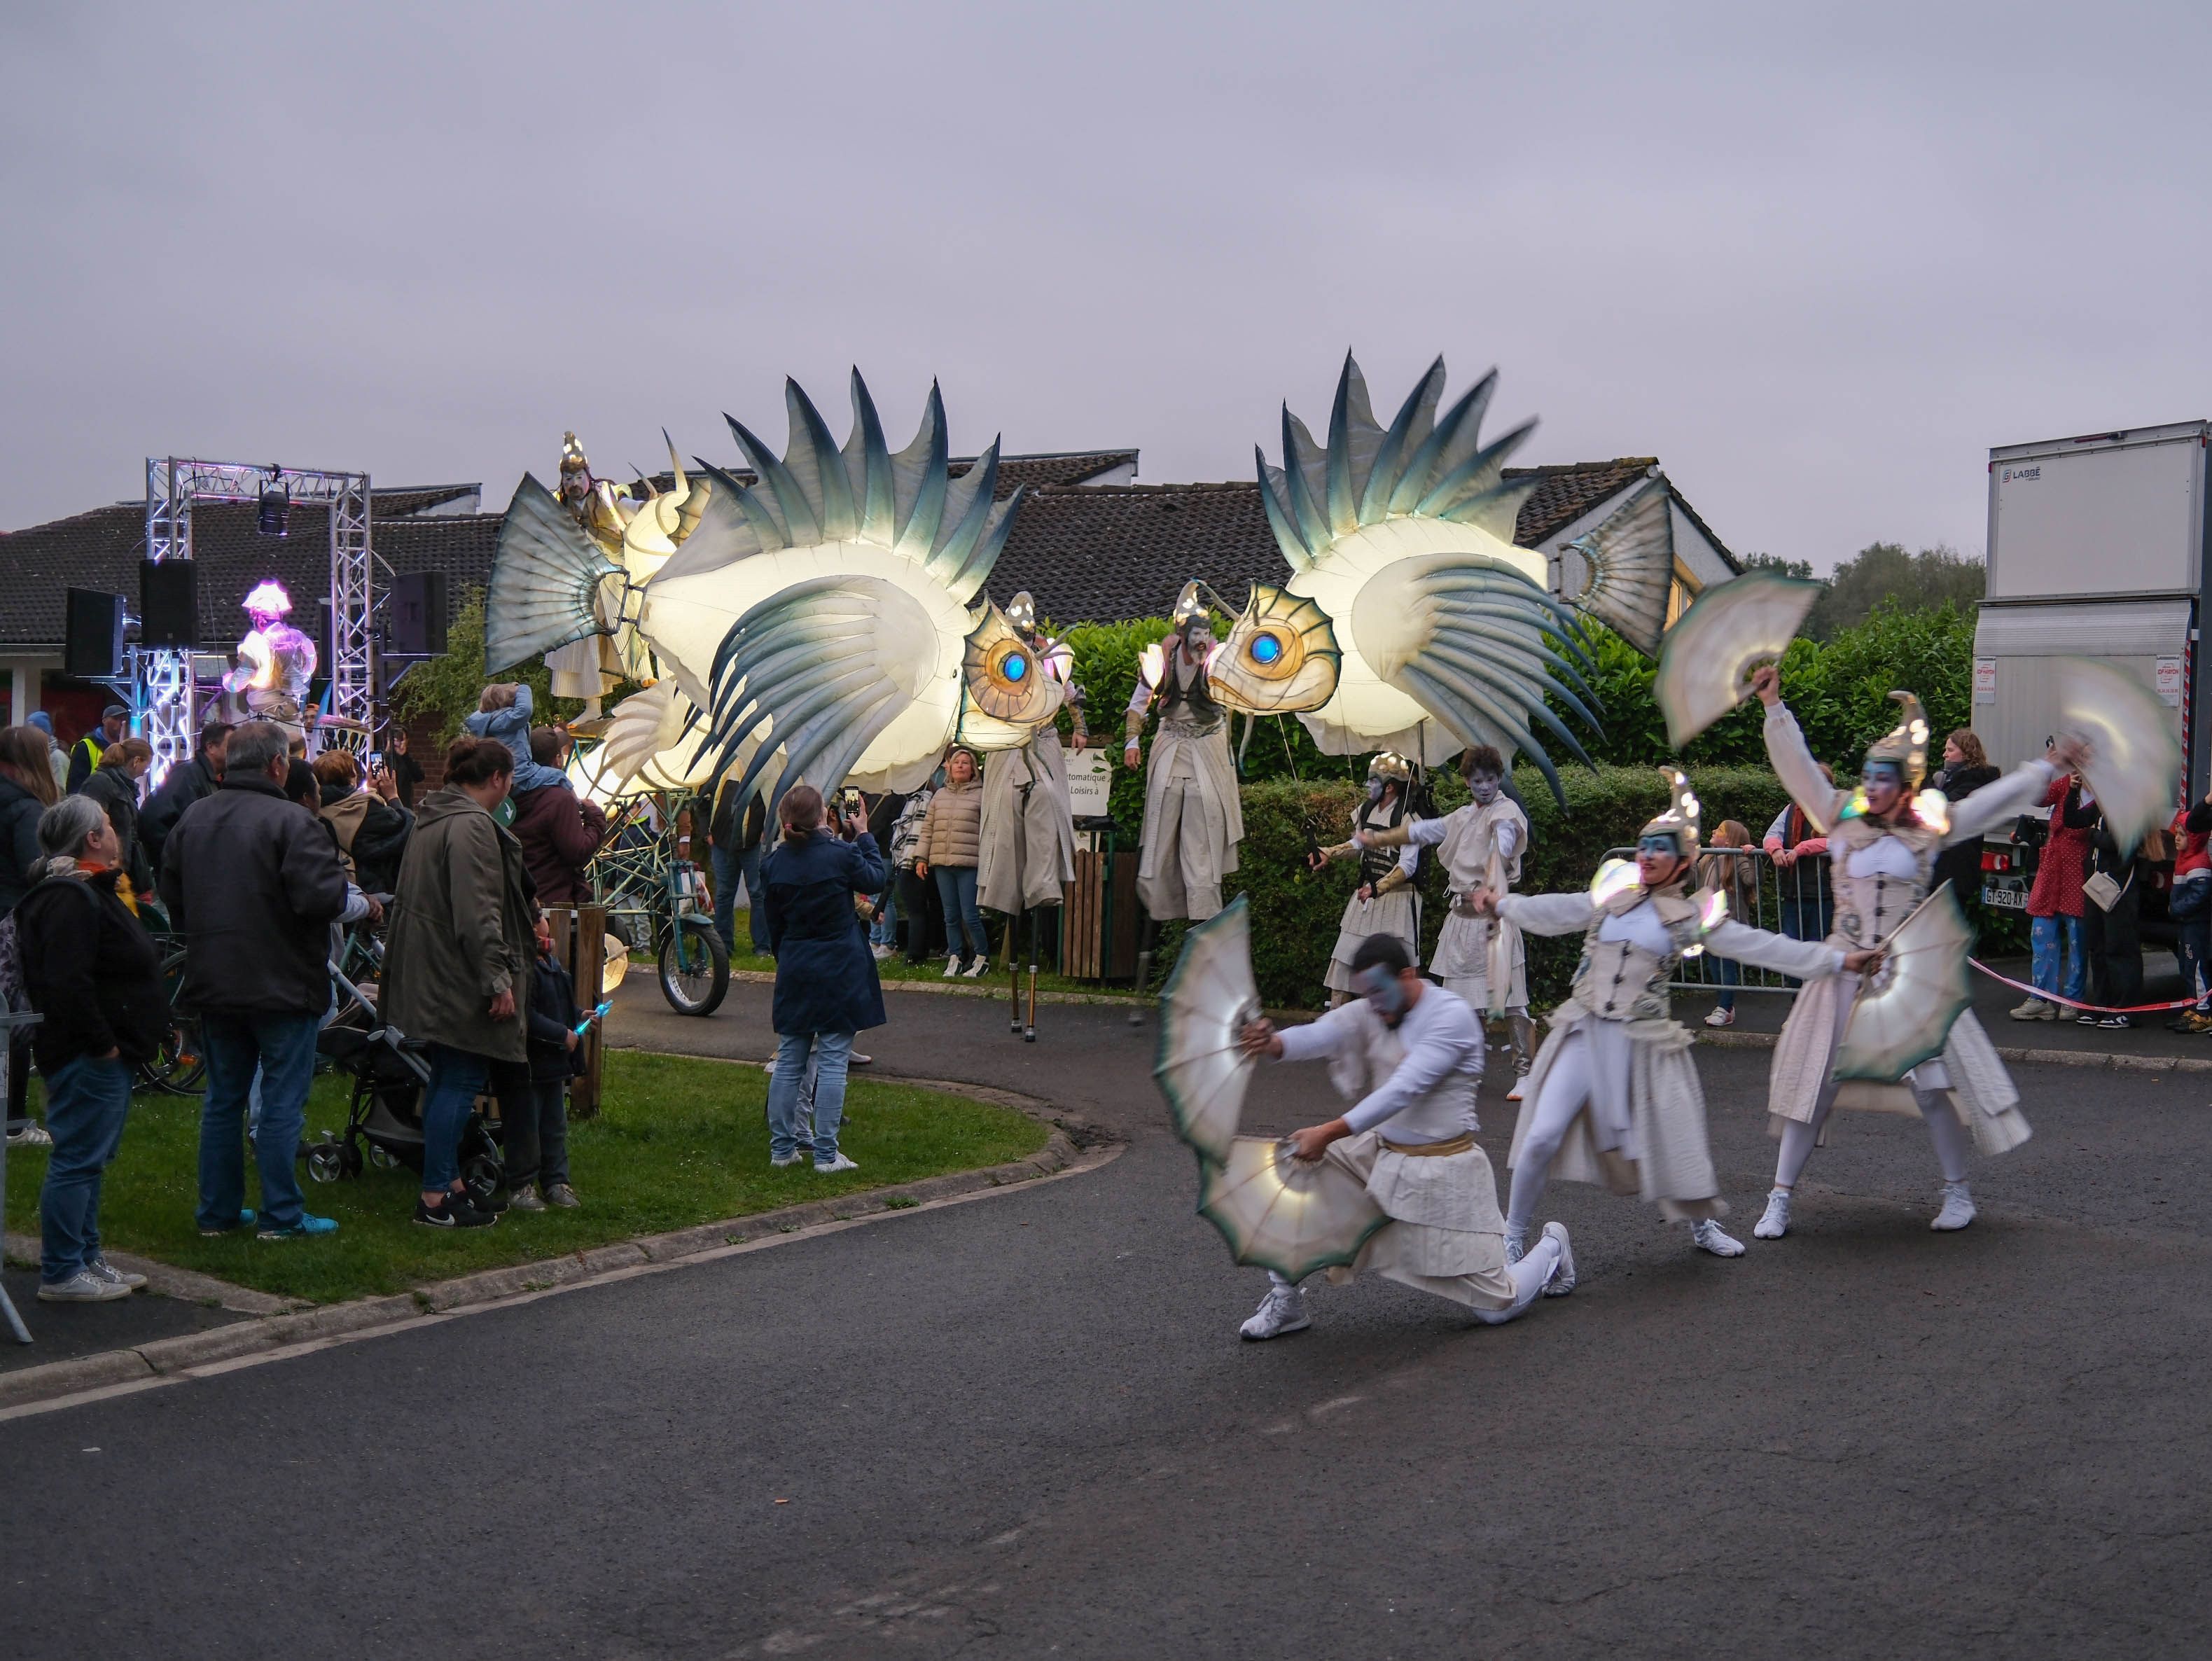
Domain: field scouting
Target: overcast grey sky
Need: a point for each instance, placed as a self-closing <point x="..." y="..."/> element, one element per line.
<point x="1817" y="265"/>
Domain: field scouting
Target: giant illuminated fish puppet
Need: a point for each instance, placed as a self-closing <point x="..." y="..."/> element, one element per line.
<point x="1412" y="623"/>
<point x="821" y="624"/>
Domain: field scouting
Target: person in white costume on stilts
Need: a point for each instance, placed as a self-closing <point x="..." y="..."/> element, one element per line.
<point x="1615" y="1093"/>
<point x="1385" y="902"/>
<point x="1481" y="845"/>
<point x="1883" y="844"/>
<point x="1411" y="1053"/>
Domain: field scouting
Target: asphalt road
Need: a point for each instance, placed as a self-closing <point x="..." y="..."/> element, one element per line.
<point x="1025" y="1426"/>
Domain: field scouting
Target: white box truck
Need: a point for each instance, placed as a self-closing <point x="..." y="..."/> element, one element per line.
<point x="2096" y="549"/>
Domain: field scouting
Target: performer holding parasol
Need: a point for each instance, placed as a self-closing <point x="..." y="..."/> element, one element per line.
<point x="1478" y="956"/>
<point x="1882" y="843"/>
<point x="1615" y="1092"/>
<point x="1411" y="1054"/>
<point x="1385" y="902"/>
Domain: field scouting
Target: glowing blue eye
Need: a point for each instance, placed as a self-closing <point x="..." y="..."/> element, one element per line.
<point x="1266" y="649"/>
<point x="1015" y="666"/>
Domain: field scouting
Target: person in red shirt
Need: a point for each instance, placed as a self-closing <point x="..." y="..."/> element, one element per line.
<point x="2054" y="908"/>
<point x="2189" y="904"/>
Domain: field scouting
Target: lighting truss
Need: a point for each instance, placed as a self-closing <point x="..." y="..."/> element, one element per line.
<point x="163" y="691"/>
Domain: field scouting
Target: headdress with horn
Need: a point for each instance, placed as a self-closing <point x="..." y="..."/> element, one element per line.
<point x="1907" y="744"/>
<point x="1389" y="765"/>
<point x="1681" y="819"/>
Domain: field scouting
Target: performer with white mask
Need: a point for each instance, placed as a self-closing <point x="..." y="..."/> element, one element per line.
<point x="1615" y="1093"/>
<point x="1411" y="1054"/>
<point x="1882" y="843"/>
<point x="1385" y="903"/>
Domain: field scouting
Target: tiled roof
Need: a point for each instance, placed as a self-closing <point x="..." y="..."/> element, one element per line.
<point x="1563" y="495"/>
<point x="101" y="549"/>
<point x="1071" y="467"/>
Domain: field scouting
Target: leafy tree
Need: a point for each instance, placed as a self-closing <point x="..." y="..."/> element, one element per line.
<point x="1884" y="572"/>
<point x="449" y="688"/>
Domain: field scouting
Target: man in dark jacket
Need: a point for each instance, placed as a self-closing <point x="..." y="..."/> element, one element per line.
<point x="254" y="884"/>
<point x="558" y="830"/>
<point x="183" y="786"/>
<point x="85" y="753"/>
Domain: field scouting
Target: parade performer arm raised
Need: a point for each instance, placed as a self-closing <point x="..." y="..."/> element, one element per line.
<point x="1384" y="902"/>
<point x="1615" y="1092"/>
<point x="1882" y="840"/>
<point x="1410" y="1053"/>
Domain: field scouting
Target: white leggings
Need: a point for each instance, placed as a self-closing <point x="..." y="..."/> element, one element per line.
<point x="1953" y="1145"/>
<point x="1566" y="1088"/>
<point x="1529" y="1276"/>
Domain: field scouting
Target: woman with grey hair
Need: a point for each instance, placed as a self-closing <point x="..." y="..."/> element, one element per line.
<point x="92" y="973"/>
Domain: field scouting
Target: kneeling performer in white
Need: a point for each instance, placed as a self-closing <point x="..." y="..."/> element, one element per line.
<point x="1411" y="1053"/>
<point x="1615" y="1098"/>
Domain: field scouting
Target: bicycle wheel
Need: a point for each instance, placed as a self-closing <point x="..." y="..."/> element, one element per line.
<point x="694" y="969"/>
<point x="178" y="1066"/>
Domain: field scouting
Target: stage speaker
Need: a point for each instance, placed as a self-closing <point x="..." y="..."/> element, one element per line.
<point x="415" y="616"/>
<point x="92" y="647"/>
<point x="168" y="604"/>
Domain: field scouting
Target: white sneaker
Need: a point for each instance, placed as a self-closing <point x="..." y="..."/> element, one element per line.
<point x="1283" y="1310"/>
<point x="978" y="968"/>
<point x="841" y="1163"/>
<point x="100" y="1269"/>
<point x="880" y="952"/>
<point x="1776" y="1223"/>
<point x="1514" y="1094"/>
<point x="82" y="1287"/>
<point x="31" y="1136"/>
<point x="785" y="1161"/>
<point x="1562" y="1278"/>
<point x="2033" y="1010"/>
<point x="1710" y="1235"/>
<point x="1720" y="1018"/>
<point x="1516" y="1244"/>
<point x="952" y="966"/>
<point x="1958" y="1209"/>
<point x="856" y="1059"/>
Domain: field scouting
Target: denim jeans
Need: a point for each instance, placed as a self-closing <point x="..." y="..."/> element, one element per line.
<point x="87" y="1102"/>
<point x="885" y="930"/>
<point x="732" y="867"/>
<point x="2193" y="946"/>
<point x="2056" y="943"/>
<point x="1806" y="916"/>
<point x="831" y="1054"/>
<point x="533" y="1127"/>
<point x="1731" y="978"/>
<point x="955" y="886"/>
<point x="283" y="1048"/>
<point x="457" y="1079"/>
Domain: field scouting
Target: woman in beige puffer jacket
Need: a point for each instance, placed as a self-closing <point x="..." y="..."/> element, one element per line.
<point x="951" y="847"/>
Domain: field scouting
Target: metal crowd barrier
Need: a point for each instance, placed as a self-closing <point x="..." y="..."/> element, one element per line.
<point x="1795" y="902"/>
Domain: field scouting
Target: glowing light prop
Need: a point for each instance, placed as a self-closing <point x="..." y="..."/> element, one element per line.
<point x="1906" y="1009"/>
<point x="1707" y="660"/>
<point x="2133" y="757"/>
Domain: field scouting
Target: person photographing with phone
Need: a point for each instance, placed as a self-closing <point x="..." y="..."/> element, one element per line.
<point x="826" y="989"/>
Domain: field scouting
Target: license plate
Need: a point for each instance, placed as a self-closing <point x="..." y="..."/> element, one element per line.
<point x="2005" y="899"/>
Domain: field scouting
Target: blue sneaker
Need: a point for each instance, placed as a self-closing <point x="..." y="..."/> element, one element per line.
<point x="300" y="1230"/>
<point x="244" y="1220"/>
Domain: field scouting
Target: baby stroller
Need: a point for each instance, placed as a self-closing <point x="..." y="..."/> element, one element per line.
<point x="383" y="1117"/>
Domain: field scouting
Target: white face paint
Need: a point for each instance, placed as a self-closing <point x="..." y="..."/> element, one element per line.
<point x="1484" y="788"/>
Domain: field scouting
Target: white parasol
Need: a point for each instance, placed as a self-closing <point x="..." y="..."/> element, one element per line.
<point x="1706" y="661"/>
<point x="2133" y="757"/>
<point x="1278" y="1212"/>
<point x="1205" y="1006"/>
<point x="1905" y="1010"/>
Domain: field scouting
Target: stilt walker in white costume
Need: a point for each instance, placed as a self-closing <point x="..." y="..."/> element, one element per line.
<point x="1411" y="1054"/>
<point x="1028" y="853"/>
<point x="1193" y="817"/>
<point x="1385" y="903"/>
<point x="1614" y="1092"/>
<point x="1482" y="845"/>
<point x="1882" y="843"/>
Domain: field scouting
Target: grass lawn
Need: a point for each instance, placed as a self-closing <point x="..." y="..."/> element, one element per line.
<point x="679" y="1142"/>
<point x="896" y="967"/>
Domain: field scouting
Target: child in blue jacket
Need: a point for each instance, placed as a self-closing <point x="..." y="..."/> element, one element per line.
<point x="504" y="712"/>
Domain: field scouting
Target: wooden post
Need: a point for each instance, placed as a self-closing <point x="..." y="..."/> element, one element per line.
<point x="579" y="941"/>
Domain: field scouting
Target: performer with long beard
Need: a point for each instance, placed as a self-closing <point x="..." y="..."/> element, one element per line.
<point x="1615" y="1094"/>
<point x="1481" y="845"/>
<point x="1385" y="902"/>
<point x="1882" y="846"/>
<point x="1411" y="1054"/>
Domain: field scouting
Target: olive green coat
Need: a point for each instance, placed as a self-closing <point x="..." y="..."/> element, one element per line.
<point x="461" y="931"/>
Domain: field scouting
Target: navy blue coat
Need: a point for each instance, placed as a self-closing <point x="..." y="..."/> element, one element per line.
<point x="825" y="976"/>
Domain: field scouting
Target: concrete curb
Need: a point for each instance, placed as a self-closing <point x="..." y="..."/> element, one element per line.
<point x="964" y="989"/>
<point x="192" y="1353"/>
<point x="1725" y="1038"/>
<point x="185" y="1285"/>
